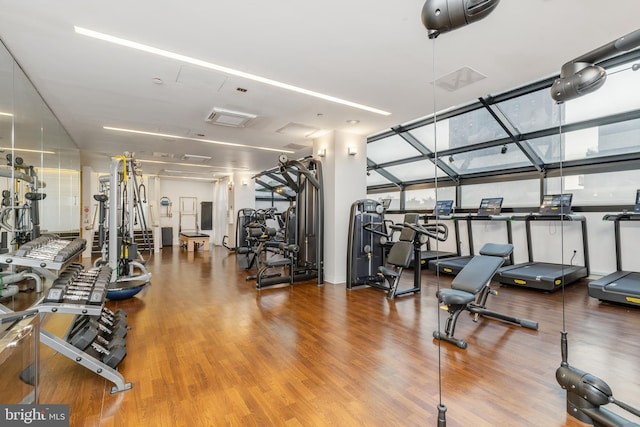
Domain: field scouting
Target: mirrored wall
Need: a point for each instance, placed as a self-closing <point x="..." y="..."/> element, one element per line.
<point x="39" y="162"/>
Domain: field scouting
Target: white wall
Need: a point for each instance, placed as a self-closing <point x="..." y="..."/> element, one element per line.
<point x="175" y="189"/>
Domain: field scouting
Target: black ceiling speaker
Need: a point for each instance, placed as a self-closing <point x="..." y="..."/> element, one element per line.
<point x="441" y="16"/>
<point x="580" y="76"/>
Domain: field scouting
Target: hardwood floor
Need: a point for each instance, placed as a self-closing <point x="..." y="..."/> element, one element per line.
<point x="207" y="349"/>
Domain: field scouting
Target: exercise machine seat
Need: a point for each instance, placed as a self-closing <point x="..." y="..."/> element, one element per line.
<point x="454" y="297"/>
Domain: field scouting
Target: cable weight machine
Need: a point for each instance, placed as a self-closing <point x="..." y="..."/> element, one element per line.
<point x="304" y="228"/>
<point x="120" y="208"/>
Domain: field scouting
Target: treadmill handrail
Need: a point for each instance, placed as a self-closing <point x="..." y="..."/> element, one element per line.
<point x="543" y="217"/>
<point x="560" y="217"/>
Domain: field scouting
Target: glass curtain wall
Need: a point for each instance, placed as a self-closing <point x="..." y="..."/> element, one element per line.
<point x="515" y="137"/>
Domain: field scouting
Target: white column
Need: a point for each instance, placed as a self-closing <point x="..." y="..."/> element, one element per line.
<point x="345" y="181"/>
<point x="242" y="194"/>
<point x="88" y="208"/>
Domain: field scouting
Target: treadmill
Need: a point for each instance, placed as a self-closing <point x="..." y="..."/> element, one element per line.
<point x="544" y="275"/>
<point x="489" y="210"/>
<point x="441" y="211"/>
<point x="621" y="286"/>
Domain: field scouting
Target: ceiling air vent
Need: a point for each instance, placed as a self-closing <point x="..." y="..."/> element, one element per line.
<point x="236" y="119"/>
<point x="297" y="130"/>
<point x="459" y="79"/>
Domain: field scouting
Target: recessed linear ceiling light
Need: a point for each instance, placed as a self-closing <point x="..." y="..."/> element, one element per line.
<point x="209" y="141"/>
<point x="25" y="150"/>
<point x="6" y="114"/>
<point x="196" y="157"/>
<point x="192" y="165"/>
<point x="223" y="69"/>
<point x="188" y="177"/>
<point x="183" y="172"/>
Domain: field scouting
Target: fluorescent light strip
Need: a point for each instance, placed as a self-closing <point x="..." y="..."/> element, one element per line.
<point x="191" y="164"/>
<point x="6" y="114"/>
<point x="25" y="150"/>
<point x="208" y="141"/>
<point x="188" y="177"/>
<point x="205" y="64"/>
<point x="186" y="172"/>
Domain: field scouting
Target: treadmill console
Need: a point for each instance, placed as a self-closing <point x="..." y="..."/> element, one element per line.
<point x="556" y="204"/>
<point x="443" y="207"/>
<point x="636" y="207"/>
<point x="490" y="206"/>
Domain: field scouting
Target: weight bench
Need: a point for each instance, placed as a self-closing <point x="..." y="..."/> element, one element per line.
<point x="191" y="239"/>
<point x="470" y="289"/>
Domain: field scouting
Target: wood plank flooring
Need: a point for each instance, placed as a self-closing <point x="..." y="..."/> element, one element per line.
<point x="207" y="349"/>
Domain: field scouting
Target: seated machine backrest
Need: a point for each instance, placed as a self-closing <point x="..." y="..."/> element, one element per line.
<point x="481" y="268"/>
<point x="407" y="234"/>
<point x="401" y="253"/>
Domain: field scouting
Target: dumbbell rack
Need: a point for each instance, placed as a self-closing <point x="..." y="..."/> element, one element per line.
<point x="44" y="254"/>
<point x="58" y="300"/>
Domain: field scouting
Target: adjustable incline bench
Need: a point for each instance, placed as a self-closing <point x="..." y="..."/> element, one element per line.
<point x="470" y="289"/>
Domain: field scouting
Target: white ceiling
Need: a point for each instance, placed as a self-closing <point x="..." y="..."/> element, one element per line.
<point x="373" y="53"/>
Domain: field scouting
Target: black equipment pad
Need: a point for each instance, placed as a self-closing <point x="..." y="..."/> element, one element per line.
<point x="478" y="271"/>
<point x="449" y="265"/>
<point x="621" y="286"/>
<point x="191" y="234"/>
<point x="540" y="275"/>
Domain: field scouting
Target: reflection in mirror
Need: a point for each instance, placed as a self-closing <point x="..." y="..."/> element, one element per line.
<point x="37" y="157"/>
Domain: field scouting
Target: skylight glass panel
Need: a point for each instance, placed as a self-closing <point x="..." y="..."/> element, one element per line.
<point x="415" y="171"/>
<point x="487" y="159"/>
<point x="617" y="95"/>
<point x="531" y="112"/>
<point x="599" y="141"/>
<point x="390" y="149"/>
<point x="466" y="129"/>
<point x="606" y="188"/>
<point x="425" y="198"/>
<point x="430" y="139"/>
<point x="374" y="178"/>
<point x="276" y="187"/>
<point x="394" y="196"/>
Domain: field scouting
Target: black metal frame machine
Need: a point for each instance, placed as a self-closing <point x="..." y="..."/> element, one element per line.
<point x="620" y="286"/>
<point x="121" y="207"/>
<point x="545" y="275"/>
<point x="369" y="264"/>
<point x="441" y="211"/>
<point x="304" y="240"/>
<point x="489" y="210"/>
<point x="368" y="236"/>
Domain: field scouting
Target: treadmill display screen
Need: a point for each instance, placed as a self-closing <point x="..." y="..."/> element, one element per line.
<point x="556" y="204"/>
<point x="490" y="206"/>
<point x="636" y="208"/>
<point x="443" y="207"/>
